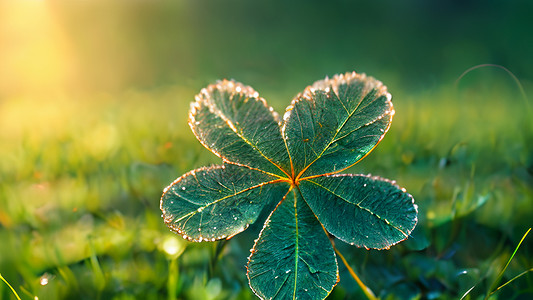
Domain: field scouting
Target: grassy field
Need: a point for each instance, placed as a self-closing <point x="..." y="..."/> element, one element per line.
<point x="80" y="187"/>
<point x="83" y="166"/>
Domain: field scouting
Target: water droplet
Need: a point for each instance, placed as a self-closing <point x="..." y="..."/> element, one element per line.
<point x="44" y="280"/>
<point x="183" y="188"/>
<point x="364" y="185"/>
<point x="235" y="218"/>
<point x="286" y="272"/>
<point x="214" y="228"/>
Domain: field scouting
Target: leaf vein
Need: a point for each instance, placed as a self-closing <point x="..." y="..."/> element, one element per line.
<point x="362" y="208"/>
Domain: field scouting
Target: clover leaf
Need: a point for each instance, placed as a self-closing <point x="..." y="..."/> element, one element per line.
<point x="292" y="167"/>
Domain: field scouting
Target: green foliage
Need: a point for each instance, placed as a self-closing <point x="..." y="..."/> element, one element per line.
<point x="57" y="199"/>
<point x="292" y="170"/>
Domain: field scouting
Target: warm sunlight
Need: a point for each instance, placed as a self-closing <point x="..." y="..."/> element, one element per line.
<point x="34" y="53"/>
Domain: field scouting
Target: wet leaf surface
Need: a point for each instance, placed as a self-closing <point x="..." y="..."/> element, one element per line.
<point x="295" y="165"/>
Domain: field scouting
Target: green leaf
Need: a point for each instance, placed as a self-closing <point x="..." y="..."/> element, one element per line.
<point x="218" y="202"/>
<point x="365" y="211"/>
<point x="236" y="124"/>
<point x="291" y="166"/>
<point x="335" y="122"/>
<point x="293" y="257"/>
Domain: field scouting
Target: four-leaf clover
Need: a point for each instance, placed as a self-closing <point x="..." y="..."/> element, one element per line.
<point x="291" y="167"/>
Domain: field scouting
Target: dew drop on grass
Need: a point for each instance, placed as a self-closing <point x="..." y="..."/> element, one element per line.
<point x="183" y="188"/>
<point x="44" y="280"/>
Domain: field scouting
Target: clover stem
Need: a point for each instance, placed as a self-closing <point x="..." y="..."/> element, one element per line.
<point x="172" y="283"/>
<point x="368" y="292"/>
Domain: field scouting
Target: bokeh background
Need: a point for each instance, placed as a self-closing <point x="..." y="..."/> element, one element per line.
<point x="94" y="97"/>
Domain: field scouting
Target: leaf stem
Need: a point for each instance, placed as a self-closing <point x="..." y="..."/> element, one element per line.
<point x="172" y="283"/>
<point x="368" y="292"/>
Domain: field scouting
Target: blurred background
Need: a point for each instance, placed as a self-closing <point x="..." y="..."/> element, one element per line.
<point x="94" y="97"/>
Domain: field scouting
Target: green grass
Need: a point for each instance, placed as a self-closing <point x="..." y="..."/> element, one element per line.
<point x="80" y="182"/>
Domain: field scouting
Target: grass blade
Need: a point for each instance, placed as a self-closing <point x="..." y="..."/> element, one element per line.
<point x="9" y="285"/>
<point x="497" y="281"/>
<point x="516" y="277"/>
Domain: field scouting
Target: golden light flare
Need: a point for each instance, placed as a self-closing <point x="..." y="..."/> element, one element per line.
<point x="34" y="53"/>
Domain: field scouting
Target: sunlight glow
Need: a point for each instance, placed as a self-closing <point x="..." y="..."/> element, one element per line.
<point x="34" y="52"/>
<point x="172" y="246"/>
